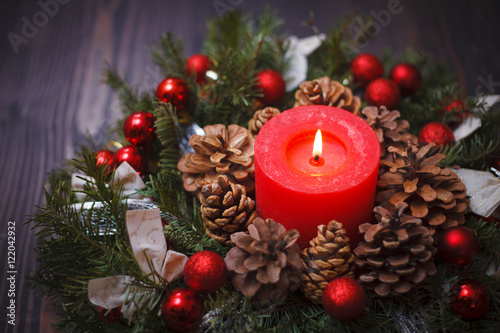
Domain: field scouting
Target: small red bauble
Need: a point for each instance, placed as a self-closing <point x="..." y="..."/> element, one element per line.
<point x="455" y="113"/>
<point x="106" y="157"/>
<point x="469" y="299"/>
<point x="133" y="156"/>
<point x="272" y="86"/>
<point x="383" y="91"/>
<point x="139" y="128"/>
<point x="182" y="309"/>
<point x="344" y="299"/>
<point x="110" y="316"/>
<point x="458" y="245"/>
<point x="365" y="68"/>
<point x="407" y="77"/>
<point x="437" y="132"/>
<point x="175" y="91"/>
<point x="205" y="272"/>
<point x="198" y="64"/>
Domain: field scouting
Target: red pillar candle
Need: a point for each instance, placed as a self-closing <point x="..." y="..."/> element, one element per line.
<point x="301" y="193"/>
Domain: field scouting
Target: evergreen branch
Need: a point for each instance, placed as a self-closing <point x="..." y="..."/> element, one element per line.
<point x="130" y="99"/>
<point x="167" y="54"/>
<point x="470" y="152"/>
<point x="166" y="131"/>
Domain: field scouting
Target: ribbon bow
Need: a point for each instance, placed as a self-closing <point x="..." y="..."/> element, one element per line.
<point x="124" y="174"/>
<point x="483" y="190"/>
<point x="148" y="243"/>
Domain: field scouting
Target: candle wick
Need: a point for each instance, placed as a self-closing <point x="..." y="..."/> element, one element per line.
<point x="316" y="158"/>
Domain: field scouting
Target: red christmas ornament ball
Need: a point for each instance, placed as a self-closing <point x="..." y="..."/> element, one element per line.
<point x="365" y="68"/>
<point x="469" y="299"/>
<point x="437" y="132"/>
<point x="205" y="272"/>
<point x="106" y="157"/>
<point x="455" y="113"/>
<point x="175" y="91"/>
<point x="344" y="299"/>
<point x="133" y="156"/>
<point x="198" y="64"/>
<point x="407" y="77"/>
<point x="139" y="128"/>
<point x="182" y="309"/>
<point x="272" y="86"/>
<point x="383" y="91"/>
<point x="458" y="245"/>
<point x="110" y="316"/>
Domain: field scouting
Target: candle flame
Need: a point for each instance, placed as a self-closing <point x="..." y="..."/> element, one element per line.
<point x="318" y="145"/>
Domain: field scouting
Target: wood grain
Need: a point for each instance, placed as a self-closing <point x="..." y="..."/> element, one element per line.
<point x="50" y="96"/>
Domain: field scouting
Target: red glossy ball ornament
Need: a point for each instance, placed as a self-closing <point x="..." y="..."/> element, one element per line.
<point x="469" y="299"/>
<point x="437" y="132"/>
<point x="106" y="157"/>
<point x="139" y="128"/>
<point x="458" y="245"/>
<point x="272" y="86"/>
<point x="198" y="65"/>
<point x="407" y="77"/>
<point x="133" y="156"/>
<point x="175" y="91"/>
<point x="365" y="68"/>
<point x="110" y="316"/>
<point x="205" y="272"/>
<point x="344" y="299"/>
<point x="383" y="91"/>
<point x="455" y="113"/>
<point x="182" y="309"/>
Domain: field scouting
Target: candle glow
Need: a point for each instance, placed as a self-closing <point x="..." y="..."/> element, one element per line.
<point x="317" y="147"/>
<point x="316" y="159"/>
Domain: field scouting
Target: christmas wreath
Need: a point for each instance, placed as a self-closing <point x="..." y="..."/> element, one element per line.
<point x="161" y="231"/>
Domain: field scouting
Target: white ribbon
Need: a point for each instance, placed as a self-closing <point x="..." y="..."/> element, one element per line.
<point x="483" y="189"/>
<point x="472" y="123"/>
<point x="298" y="50"/>
<point x="148" y="243"/>
<point x="124" y="175"/>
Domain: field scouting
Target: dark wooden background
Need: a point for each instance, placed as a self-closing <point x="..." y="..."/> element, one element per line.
<point x="50" y="95"/>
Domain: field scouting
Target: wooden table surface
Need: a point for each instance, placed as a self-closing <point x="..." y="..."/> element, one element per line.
<point x="51" y="59"/>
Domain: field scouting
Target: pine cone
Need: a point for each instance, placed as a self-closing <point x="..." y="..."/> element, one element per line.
<point x="390" y="130"/>
<point x="260" y="117"/>
<point x="220" y="151"/>
<point x="397" y="253"/>
<point x="225" y="208"/>
<point x="322" y="91"/>
<point x="328" y="257"/>
<point x="265" y="260"/>
<point x="434" y="194"/>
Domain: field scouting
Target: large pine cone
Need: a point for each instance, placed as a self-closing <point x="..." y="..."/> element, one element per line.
<point x="390" y="130"/>
<point x="265" y="260"/>
<point x="259" y="119"/>
<point x="220" y="151"/>
<point x="397" y="253"/>
<point x="225" y="208"/>
<point x="322" y="91"/>
<point x="433" y="193"/>
<point x="328" y="257"/>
